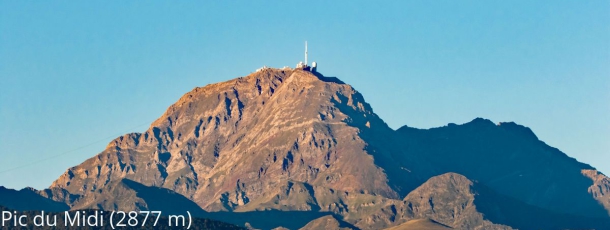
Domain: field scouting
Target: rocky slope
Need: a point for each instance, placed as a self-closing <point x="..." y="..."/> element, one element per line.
<point x="299" y="144"/>
<point x="600" y="189"/>
<point x="225" y="144"/>
<point x="326" y="222"/>
<point x="448" y="199"/>
<point x="454" y="201"/>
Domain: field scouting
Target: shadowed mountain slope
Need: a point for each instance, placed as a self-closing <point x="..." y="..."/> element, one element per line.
<point x="129" y="195"/>
<point x="28" y="199"/>
<point x="511" y="160"/>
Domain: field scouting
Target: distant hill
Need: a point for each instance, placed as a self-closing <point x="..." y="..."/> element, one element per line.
<point x="28" y="199"/>
<point x="510" y="159"/>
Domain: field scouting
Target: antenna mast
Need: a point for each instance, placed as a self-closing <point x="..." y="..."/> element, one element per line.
<point x="305" y="52"/>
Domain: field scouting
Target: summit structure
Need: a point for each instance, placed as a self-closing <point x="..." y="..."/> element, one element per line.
<point x="305" y="52"/>
<point x="305" y="65"/>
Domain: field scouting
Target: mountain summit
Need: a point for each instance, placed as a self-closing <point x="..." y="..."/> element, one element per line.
<point x="294" y="142"/>
<point x="226" y="144"/>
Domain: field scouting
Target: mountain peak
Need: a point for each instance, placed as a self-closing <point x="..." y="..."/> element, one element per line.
<point x="480" y="121"/>
<point x="292" y="139"/>
<point x="228" y="141"/>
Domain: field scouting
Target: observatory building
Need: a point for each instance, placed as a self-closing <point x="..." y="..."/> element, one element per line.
<point x="304" y="66"/>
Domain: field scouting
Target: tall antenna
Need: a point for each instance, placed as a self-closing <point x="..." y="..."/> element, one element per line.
<point x="305" y="52"/>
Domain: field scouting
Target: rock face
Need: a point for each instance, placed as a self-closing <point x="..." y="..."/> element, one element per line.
<point x="296" y="142"/>
<point x="224" y="145"/>
<point x="449" y="199"/>
<point x="600" y="189"/>
<point x="325" y="222"/>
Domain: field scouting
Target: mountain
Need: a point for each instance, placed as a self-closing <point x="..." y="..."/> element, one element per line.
<point x="454" y="200"/>
<point x="326" y="222"/>
<point x="449" y="199"/>
<point x="224" y="145"/>
<point x="295" y="149"/>
<point x="28" y="199"/>
<point x="510" y="159"/>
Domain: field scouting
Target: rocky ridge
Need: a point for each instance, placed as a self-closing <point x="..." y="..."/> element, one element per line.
<point x="291" y="140"/>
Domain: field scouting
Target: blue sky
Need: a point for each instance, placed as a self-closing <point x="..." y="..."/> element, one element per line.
<point x="76" y="74"/>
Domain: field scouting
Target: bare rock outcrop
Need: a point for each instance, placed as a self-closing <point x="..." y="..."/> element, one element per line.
<point x="227" y="144"/>
<point x="448" y="199"/>
<point x="600" y="189"/>
<point x="326" y="222"/>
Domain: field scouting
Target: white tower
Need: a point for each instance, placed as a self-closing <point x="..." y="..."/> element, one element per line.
<point x="305" y="53"/>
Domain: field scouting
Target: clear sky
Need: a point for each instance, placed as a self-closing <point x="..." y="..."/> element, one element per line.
<point x="75" y="74"/>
